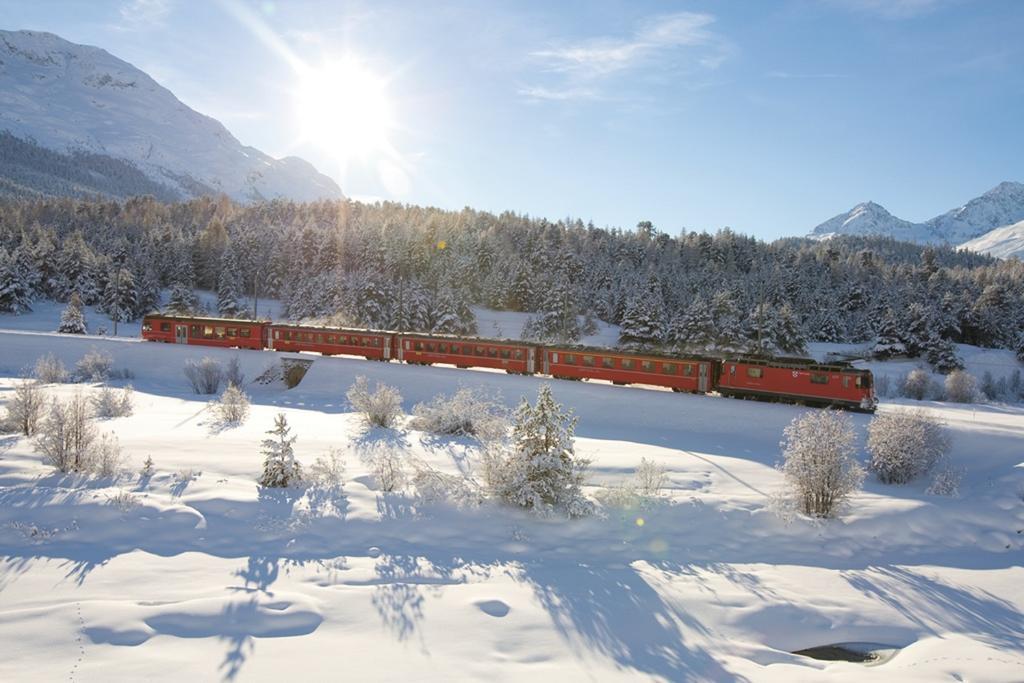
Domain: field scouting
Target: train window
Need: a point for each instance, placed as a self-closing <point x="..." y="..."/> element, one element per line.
<point x="755" y="372"/>
<point x="668" y="368"/>
<point x="232" y="332"/>
<point x="492" y="352"/>
<point x="688" y="370"/>
<point x="277" y="334"/>
<point x="443" y="348"/>
<point x="506" y="354"/>
<point x="588" y="361"/>
<point x="647" y="365"/>
<point x="245" y="332"/>
<point x="456" y="348"/>
<point x="418" y="346"/>
<point x="480" y="351"/>
<point x="570" y="359"/>
<point x="819" y="378"/>
<point x="857" y="383"/>
<point x="518" y="354"/>
<point x="627" y="363"/>
<point x="343" y="339"/>
<point x="608" y="363"/>
<point x="197" y="331"/>
<point x="554" y="356"/>
<point x="208" y="331"/>
<point x="165" y="327"/>
<point x="330" y="339"/>
<point x="376" y="341"/>
<point x="732" y="369"/>
<point x="431" y="346"/>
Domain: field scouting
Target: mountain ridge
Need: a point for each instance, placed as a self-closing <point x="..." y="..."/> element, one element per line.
<point x="73" y="98"/>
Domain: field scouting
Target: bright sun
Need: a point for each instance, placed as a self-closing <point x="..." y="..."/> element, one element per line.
<point x="344" y="107"/>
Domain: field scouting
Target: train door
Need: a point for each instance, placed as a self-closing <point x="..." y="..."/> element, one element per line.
<point x="401" y="344"/>
<point x="702" y="379"/>
<point x="387" y="348"/>
<point x="181" y="334"/>
<point x="530" y="359"/>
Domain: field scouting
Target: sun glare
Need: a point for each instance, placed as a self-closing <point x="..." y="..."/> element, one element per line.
<point x="344" y="107"/>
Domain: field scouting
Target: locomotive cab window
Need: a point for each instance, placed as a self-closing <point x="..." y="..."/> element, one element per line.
<point x="819" y="378"/>
<point x="755" y="372"/>
<point x="165" y="327"/>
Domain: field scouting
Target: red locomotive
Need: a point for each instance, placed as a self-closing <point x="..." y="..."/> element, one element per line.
<point x="781" y="379"/>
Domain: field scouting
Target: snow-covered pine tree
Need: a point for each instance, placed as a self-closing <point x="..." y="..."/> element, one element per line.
<point x="643" y="319"/>
<point x="444" y="316"/>
<point x="280" y="468"/>
<point x="543" y="472"/>
<point x="15" y="293"/>
<point x="762" y="329"/>
<point x="941" y="353"/>
<point x="791" y="337"/>
<point x="694" y="328"/>
<point x="728" y="326"/>
<point x="120" y="298"/>
<point x="888" y="341"/>
<point x="229" y="285"/>
<point x="72" y="319"/>
<point x="183" y="299"/>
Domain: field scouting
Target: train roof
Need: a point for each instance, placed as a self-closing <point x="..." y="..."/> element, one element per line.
<point x="583" y="348"/>
<point x="206" y="318"/>
<point x="801" y="363"/>
<point x="334" y="328"/>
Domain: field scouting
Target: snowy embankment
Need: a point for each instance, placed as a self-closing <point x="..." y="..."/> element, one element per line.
<point x="196" y="573"/>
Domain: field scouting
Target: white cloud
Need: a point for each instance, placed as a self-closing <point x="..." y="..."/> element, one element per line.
<point x="655" y="42"/>
<point x="136" y="14"/>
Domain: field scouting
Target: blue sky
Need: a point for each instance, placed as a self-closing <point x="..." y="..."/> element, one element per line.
<point x="768" y="117"/>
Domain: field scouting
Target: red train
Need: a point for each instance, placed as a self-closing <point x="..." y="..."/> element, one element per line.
<point x="782" y="379"/>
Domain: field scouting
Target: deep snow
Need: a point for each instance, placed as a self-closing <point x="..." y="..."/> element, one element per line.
<point x="196" y="573"/>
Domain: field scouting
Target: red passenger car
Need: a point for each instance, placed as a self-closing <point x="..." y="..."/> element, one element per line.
<point x="695" y="375"/>
<point x="801" y="381"/>
<point x="467" y="352"/>
<point x="224" y="332"/>
<point x="332" y="341"/>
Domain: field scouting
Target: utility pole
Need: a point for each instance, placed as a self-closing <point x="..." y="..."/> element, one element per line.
<point x="256" y="295"/>
<point x="117" y="296"/>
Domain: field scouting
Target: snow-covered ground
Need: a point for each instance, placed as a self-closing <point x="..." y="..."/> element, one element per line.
<point x="197" y="574"/>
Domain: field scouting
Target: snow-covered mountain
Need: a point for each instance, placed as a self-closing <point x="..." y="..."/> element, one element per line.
<point x="77" y="99"/>
<point x="1002" y="242"/>
<point x="1000" y="206"/>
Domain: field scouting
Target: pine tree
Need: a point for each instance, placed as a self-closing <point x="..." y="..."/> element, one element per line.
<point x="643" y="320"/>
<point x="888" y="341"/>
<point x="72" y="320"/>
<point x="280" y="468"/>
<point x="15" y="293"/>
<point x="694" y="329"/>
<point x="229" y="284"/>
<point x="183" y="300"/>
<point x="120" y="298"/>
<point x="942" y="355"/>
<point x="791" y="337"/>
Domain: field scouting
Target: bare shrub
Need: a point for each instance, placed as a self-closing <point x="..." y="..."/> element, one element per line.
<point x="232" y="407"/>
<point x="386" y="464"/>
<point x="66" y="436"/>
<point x="434" y="486"/>
<point x="106" y="459"/>
<point x="946" y="481"/>
<point x="233" y="373"/>
<point x="50" y="370"/>
<point x="148" y="468"/>
<point x="328" y="470"/>
<point x="94" y="366"/>
<point x="818" y="463"/>
<point x="125" y="501"/>
<point x="381" y="408"/>
<point x="623" y="496"/>
<point x="110" y="403"/>
<point x="204" y="375"/>
<point x="961" y="387"/>
<point x="465" y="413"/>
<point x="905" y="445"/>
<point x="650" y="477"/>
<point x="916" y="384"/>
<point x="25" y="407"/>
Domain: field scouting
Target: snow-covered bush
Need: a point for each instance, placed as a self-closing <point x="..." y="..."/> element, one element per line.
<point x="233" y="373"/>
<point x="387" y="465"/>
<point x="110" y="403"/>
<point x="650" y="477"/>
<point x="106" y="459"/>
<point x="328" y="471"/>
<point x="818" y="462"/>
<point x="232" y="407"/>
<point x="204" y="375"/>
<point x="916" y="384"/>
<point x="946" y="481"/>
<point x="621" y="496"/>
<point x="72" y="319"/>
<point x="125" y="501"/>
<point x="961" y="387"/>
<point x="66" y="437"/>
<point x="50" y="370"/>
<point x="541" y="470"/>
<point x="381" y="408"/>
<point x="465" y="413"/>
<point x="280" y="468"/>
<point x="434" y="486"/>
<point x="905" y="445"/>
<point x="25" y="408"/>
<point x="148" y="468"/>
<point x="94" y="366"/>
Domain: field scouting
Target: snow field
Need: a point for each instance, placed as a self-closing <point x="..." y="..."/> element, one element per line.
<point x="205" y="576"/>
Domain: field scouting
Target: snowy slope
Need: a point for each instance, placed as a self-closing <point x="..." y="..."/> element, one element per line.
<point x="76" y="97"/>
<point x="1000" y="206"/>
<point x="1002" y="242"/>
<point x="205" y="577"/>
